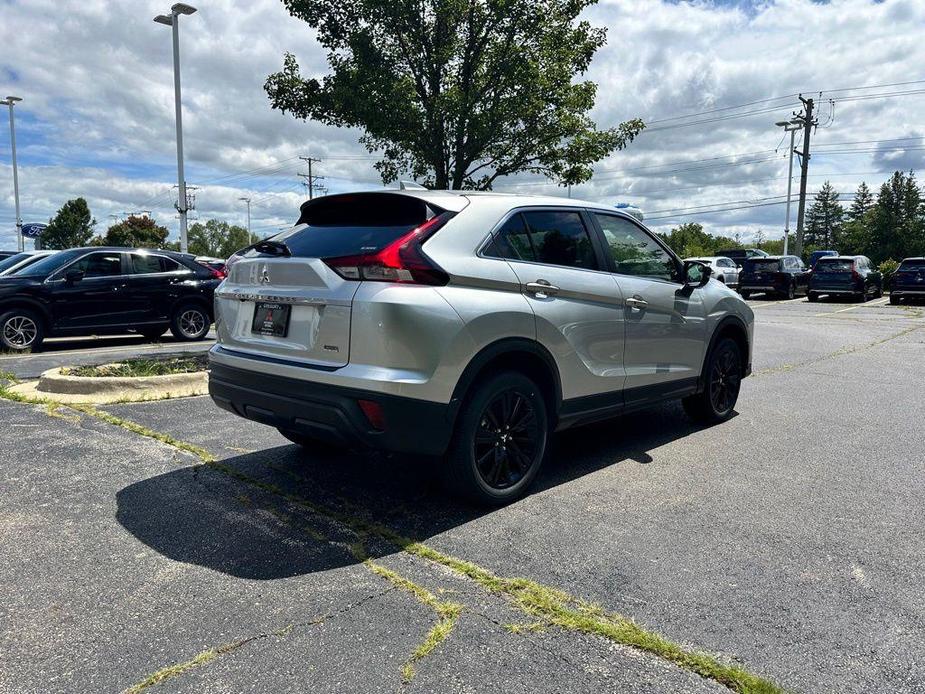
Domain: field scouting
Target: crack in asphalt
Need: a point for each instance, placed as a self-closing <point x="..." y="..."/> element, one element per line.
<point x="210" y="654"/>
<point x="844" y="351"/>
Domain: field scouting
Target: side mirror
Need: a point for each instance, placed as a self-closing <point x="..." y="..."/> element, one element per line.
<point x="696" y="274"/>
<point x="73" y="276"/>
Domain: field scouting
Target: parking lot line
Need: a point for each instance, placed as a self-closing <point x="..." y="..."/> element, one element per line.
<point x="782" y="301"/>
<point x="879" y="302"/>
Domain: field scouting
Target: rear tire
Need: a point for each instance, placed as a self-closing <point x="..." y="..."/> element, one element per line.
<point x="722" y="381"/>
<point x="812" y="297"/>
<point x="21" y="330"/>
<point x="879" y="292"/>
<point x="190" y="322"/>
<point x="745" y="294"/>
<point x="500" y="440"/>
<point x="894" y="300"/>
<point x="792" y="290"/>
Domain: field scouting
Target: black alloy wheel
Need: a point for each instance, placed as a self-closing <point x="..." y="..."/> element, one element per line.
<point x="505" y="443"/>
<point x="725" y="378"/>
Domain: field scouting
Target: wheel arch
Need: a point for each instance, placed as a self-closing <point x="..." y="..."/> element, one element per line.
<point x="515" y="354"/>
<point x="196" y="299"/>
<point x="30" y="305"/>
<point x="732" y="327"/>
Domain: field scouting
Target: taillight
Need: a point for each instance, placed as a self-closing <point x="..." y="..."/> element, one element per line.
<point x="403" y="260"/>
<point x="218" y="274"/>
<point x="855" y="275"/>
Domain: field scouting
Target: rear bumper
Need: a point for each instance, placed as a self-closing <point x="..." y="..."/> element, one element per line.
<point x="902" y="291"/>
<point x="331" y="413"/>
<point x="839" y="290"/>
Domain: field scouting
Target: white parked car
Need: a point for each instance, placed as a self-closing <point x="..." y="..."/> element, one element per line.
<point x="724" y="269"/>
<point x="9" y="266"/>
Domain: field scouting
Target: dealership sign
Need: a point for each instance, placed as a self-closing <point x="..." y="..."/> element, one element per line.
<point x="33" y="231"/>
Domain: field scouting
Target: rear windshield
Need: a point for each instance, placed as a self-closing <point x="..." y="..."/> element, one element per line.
<point x="353" y="224"/>
<point x="905" y="265"/>
<point x="826" y="265"/>
<point x="761" y="265"/>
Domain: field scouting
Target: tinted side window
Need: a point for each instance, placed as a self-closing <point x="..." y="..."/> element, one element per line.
<point x="148" y="264"/>
<point x="512" y="241"/>
<point x="99" y="264"/>
<point x="634" y="251"/>
<point x="560" y="238"/>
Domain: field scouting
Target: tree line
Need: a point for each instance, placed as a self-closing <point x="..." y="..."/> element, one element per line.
<point x="886" y="229"/>
<point x="74" y="226"/>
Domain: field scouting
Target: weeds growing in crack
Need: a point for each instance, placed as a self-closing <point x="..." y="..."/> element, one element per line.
<point x="548" y="605"/>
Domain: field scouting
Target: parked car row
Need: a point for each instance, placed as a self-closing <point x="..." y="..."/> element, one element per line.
<point x="101" y="291"/>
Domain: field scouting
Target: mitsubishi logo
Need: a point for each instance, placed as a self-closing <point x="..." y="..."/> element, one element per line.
<point x="265" y="277"/>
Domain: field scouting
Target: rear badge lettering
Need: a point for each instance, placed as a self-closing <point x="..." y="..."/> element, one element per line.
<point x="332" y="348"/>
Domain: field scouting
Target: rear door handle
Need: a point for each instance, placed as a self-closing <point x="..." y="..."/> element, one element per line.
<point x="636" y="303"/>
<point x="541" y="289"/>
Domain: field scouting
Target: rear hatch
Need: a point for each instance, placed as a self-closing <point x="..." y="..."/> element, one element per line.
<point x="834" y="273"/>
<point x="910" y="276"/>
<point x="758" y="272"/>
<point x="283" y="297"/>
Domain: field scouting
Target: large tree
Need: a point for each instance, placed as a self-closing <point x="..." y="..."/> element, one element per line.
<point x="218" y="239"/>
<point x="689" y="239"/>
<point x="823" y="220"/>
<point x="897" y="227"/>
<point x="135" y="232"/>
<point x="456" y="92"/>
<point x="71" y="227"/>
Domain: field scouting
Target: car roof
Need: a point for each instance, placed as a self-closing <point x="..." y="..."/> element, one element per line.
<point x="456" y="200"/>
<point x="841" y="257"/>
<point x="124" y="249"/>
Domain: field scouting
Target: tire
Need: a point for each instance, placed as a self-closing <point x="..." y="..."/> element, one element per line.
<point x="812" y="297"/>
<point x="722" y="379"/>
<point x="878" y="294"/>
<point x="792" y="290"/>
<point x="499" y="442"/>
<point x="190" y="322"/>
<point x="745" y="294"/>
<point x="309" y="443"/>
<point x="21" y="330"/>
<point x="894" y="300"/>
<point x="152" y="333"/>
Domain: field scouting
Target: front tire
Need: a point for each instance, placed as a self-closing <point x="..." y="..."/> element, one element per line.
<point x="500" y="440"/>
<point x="21" y="330"/>
<point x="190" y="322"/>
<point x="723" y="379"/>
<point x="745" y="294"/>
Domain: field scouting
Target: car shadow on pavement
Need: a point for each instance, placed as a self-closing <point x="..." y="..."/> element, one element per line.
<point x="282" y="512"/>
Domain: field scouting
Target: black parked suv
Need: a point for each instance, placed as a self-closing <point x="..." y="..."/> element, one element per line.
<point x="845" y="275"/>
<point x="908" y="282"/>
<point x="99" y="291"/>
<point x="780" y="275"/>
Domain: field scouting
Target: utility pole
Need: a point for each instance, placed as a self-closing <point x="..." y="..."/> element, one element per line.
<point x="806" y="118"/>
<point x="248" y="202"/>
<point x="173" y="20"/>
<point x="9" y="101"/>
<point x="309" y="177"/>
<point x="789" y="126"/>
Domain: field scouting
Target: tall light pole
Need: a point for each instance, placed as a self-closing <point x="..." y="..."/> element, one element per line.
<point x="9" y="101"/>
<point x="248" y="201"/>
<point x="173" y="20"/>
<point x="789" y="126"/>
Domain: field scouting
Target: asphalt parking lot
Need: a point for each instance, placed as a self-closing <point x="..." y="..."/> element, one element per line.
<point x="169" y="546"/>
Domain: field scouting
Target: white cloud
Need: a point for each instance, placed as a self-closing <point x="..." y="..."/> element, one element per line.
<point x="97" y="119"/>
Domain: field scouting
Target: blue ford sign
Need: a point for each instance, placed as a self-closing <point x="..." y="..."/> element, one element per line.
<point x="33" y="231"/>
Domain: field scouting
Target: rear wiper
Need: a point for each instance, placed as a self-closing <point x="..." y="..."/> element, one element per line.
<point x="272" y="248"/>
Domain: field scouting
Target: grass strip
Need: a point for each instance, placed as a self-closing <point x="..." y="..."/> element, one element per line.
<point x="143" y="366"/>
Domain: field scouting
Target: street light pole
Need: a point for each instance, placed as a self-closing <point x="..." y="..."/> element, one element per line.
<point x="789" y="126"/>
<point x="173" y="21"/>
<point x="9" y="101"/>
<point x="248" y="201"/>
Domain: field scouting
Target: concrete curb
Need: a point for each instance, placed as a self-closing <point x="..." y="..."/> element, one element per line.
<point x="54" y="385"/>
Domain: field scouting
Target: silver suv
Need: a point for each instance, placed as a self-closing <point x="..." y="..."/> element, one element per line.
<point x="469" y="326"/>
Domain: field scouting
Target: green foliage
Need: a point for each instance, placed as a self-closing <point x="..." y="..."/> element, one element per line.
<point x="71" y="227"/>
<point x="134" y="232"/>
<point x="896" y="223"/>
<point x="887" y="268"/>
<point x="144" y="367"/>
<point x="823" y="220"/>
<point x="690" y="240"/>
<point x="218" y="239"/>
<point x="456" y="92"/>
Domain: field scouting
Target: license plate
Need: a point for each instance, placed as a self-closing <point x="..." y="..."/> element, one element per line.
<point x="271" y="319"/>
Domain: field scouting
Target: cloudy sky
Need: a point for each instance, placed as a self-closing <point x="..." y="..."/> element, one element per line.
<point x="710" y="79"/>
